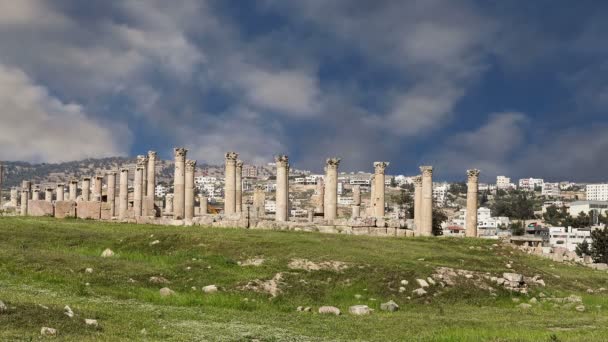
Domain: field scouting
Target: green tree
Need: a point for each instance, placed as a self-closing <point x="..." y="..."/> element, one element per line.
<point x="583" y="249"/>
<point x="457" y="188"/>
<point x="517" y="228"/>
<point x="582" y="220"/>
<point x="599" y="245"/>
<point x="438" y="218"/>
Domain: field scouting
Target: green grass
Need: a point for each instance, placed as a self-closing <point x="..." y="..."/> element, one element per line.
<point x="43" y="262"/>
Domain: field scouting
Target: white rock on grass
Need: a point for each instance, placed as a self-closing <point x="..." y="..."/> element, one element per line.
<point x="422" y="283"/>
<point x="389" y="306"/>
<point x="3" y="307"/>
<point x="524" y="306"/>
<point x="155" y="242"/>
<point x="329" y="310"/>
<point x="430" y="280"/>
<point x="210" y="289"/>
<point x="580" y="308"/>
<point x="514" y="277"/>
<point x="419" y="292"/>
<point x="88" y="270"/>
<point x="401" y="289"/>
<point x="533" y="300"/>
<point x="91" y="323"/>
<point x="68" y="311"/>
<point x="404" y="282"/>
<point x="165" y="292"/>
<point x="107" y="253"/>
<point x="359" y="310"/>
<point x="46" y="331"/>
<point x="158" y="280"/>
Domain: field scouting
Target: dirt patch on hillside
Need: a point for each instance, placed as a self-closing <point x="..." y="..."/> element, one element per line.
<point x="304" y="264"/>
<point x="270" y="286"/>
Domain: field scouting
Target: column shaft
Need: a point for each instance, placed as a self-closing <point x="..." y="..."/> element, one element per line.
<point x="151" y="184"/>
<point x="123" y="194"/>
<point x="25" y="196"/>
<point x="111" y="194"/>
<point x="471" y="216"/>
<point x="239" y="186"/>
<point x="379" y="178"/>
<point x="282" y="192"/>
<point x="60" y="192"/>
<point x="417" y="204"/>
<point x="48" y="194"/>
<point x="86" y="189"/>
<point x="73" y="195"/>
<point x="426" y="209"/>
<point x="97" y="188"/>
<point x="203" y="203"/>
<point x="179" y="195"/>
<point x="320" y="196"/>
<point x="189" y="190"/>
<point x="138" y="190"/>
<point x="331" y="189"/>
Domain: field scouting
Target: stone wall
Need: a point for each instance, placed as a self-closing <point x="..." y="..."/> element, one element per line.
<point x="65" y="209"/>
<point x="89" y="210"/>
<point x="40" y="208"/>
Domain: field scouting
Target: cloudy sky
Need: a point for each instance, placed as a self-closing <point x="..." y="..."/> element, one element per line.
<point x="511" y="87"/>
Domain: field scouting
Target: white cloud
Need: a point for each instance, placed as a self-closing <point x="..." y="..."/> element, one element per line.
<point x="36" y="126"/>
<point x="30" y="13"/>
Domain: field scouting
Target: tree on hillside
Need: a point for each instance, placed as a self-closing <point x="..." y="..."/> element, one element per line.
<point x="483" y="199"/>
<point x="583" y="249"/>
<point x="438" y="218"/>
<point x="517" y="228"/>
<point x="457" y="188"/>
<point x="599" y="245"/>
<point x="582" y="220"/>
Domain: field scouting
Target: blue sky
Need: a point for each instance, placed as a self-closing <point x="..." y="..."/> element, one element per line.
<point x="511" y="87"/>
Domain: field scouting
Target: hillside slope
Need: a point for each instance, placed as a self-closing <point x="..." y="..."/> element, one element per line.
<point x="263" y="276"/>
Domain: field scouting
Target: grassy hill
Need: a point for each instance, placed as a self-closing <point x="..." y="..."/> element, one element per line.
<point x="43" y="268"/>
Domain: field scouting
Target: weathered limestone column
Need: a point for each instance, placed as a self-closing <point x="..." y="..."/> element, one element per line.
<point x="14" y="197"/>
<point x="203" y="203"/>
<point x="230" y="183"/>
<point x="239" y="186"/>
<point x="36" y="193"/>
<point x="73" y="190"/>
<point x="112" y="192"/>
<point x="356" y="201"/>
<point x="282" y="193"/>
<point x="319" y="196"/>
<point x="97" y="188"/>
<point x="138" y="188"/>
<point x="60" y="192"/>
<point x="123" y="194"/>
<point x="169" y="203"/>
<point x="25" y="196"/>
<point x="259" y="201"/>
<point x="189" y="190"/>
<point x="472" y="189"/>
<point x="48" y="194"/>
<point x="27" y="185"/>
<point x="417" y="203"/>
<point x="86" y="189"/>
<point x="151" y="184"/>
<point x="379" y="168"/>
<point x="179" y="183"/>
<point x="142" y="161"/>
<point x="426" y="209"/>
<point x="331" y="189"/>
<point x="371" y="211"/>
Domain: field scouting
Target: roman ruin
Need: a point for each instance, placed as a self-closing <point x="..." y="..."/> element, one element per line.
<point x="97" y="188"/>
<point x="25" y="196"/>
<point x="417" y="203"/>
<point x="48" y="194"/>
<point x="282" y="192"/>
<point x="331" y="189"/>
<point x="319" y="196"/>
<point x="86" y="189"/>
<point x="14" y="197"/>
<point x="111" y="192"/>
<point x="138" y="188"/>
<point x="426" y="202"/>
<point x="27" y="186"/>
<point x="142" y="161"/>
<point x="371" y="209"/>
<point x="151" y="184"/>
<point x="259" y="201"/>
<point x="179" y="182"/>
<point x="471" y="215"/>
<point x="169" y="204"/>
<point x="36" y="193"/>
<point x="379" y="180"/>
<point x="203" y="203"/>
<point x="356" y="202"/>
<point x="73" y="189"/>
<point x="239" y="186"/>
<point x="189" y="190"/>
<point x="60" y="191"/>
<point x="230" y="183"/>
<point x="123" y="194"/>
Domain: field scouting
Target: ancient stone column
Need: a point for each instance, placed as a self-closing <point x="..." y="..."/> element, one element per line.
<point x="14" y="197"/>
<point x="203" y="203"/>
<point x="48" y="194"/>
<point x="73" y="189"/>
<point x="25" y="196"/>
<point x="123" y="194"/>
<point x="356" y="201"/>
<point x="472" y="189"/>
<point x="60" y="192"/>
<point x="319" y="196"/>
<point x="426" y="208"/>
<point x="27" y="185"/>
<point x="282" y="192"/>
<point x="169" y="204"/>
<point x="379" y="168"/>
<point x="259" y="201"/>
<point x="151" y="184"/>
<point x="417" y="203"/>
<point x="189" y="190"/>
<point x="98" y="188"/>
<point x="230" y="183"/>
<point x="86" y="189"/>
<point x="239" y="186"/>
<point x="142" y="161"/>
<point x="331" y="189"/>
<point x="179" y="183"/>
<point x="111" y="194"/>
<point x="371" y="211"/>
<point x="36" y="193"/>
<point x="138" y="183"/>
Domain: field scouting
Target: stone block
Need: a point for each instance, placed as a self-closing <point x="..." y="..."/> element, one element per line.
<point x="65" y="209"/>
<point x="88" y="210"/>
<point x="40" y="208"/>
<point x="105" y="211"/>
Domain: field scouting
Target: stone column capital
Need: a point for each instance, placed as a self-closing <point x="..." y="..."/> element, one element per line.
<point x="142" y="160"/>
<point x="110" y="172"/>
<point x="60" y="185"/>
<point x="418" y="181"/>
<point x="124" y="169"/>
<point x="379" y="167"/>
<point x="426" y="170"/>
<point x="231" y="156"/>
<point x="190" y="165"/>
<point x="282" y="160"/>
<point x="239" y="164"/>
<point x="86" y="178"/>
<point x="98" y="177"/>
<point x="473" y="175"/>
<point x="152" y="154"/>
<point x="179" y="152"/>
<point x="333" y="162"/>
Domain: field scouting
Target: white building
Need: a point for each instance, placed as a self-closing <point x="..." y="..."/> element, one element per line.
<point x="530" y="183"/>
<point x="440" y="193"/>
<point x="204" y="180"/>
<point x="503" y="183"/>
<point x="587" y="206"/>
<point x="551" y="189"/>
<point x="160" y="190"/>
<point x="486" y="187"/>
<point x="270" y="206"/>
<point x="569" y="238"/>
<point x="345" y="200"/>
<point x="597" y="192"/>
<point x="403" y="180"/>
<point x="487" y="225"/>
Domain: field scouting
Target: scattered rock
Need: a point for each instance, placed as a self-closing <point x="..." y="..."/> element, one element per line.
<point x="359" y="310"/>
<point x="88" y="270"/>
<point x="131" y="280"/>
<point x="269" y="286"/>
<point x="91" y="322"/>
<point x="419" y="292"/>
<point x="468" y="276"/>
<point x="516" y="300"/>
<point x="158" y="280"/>
<point x="210" y="289"/>
<point x="590" y="291"/>
<point x="68" y="311"/>
<point x="165" y="292"/>
<point x="307" y="309"/>
<point x="524" y="306"/>
<point x="533" y="300"/>
<point x="252" y="262"/>
<point x="358" y="296"/>
<point x="329" y="310"/>
<point x="303" y="264"/>
<point x="155" y="242"/>
<point x="107" y="253"/>
<point x="430" y="280"/>
<point x="43" y="306"/>
<point x="389" y="306"/>
<point x="3" y="307"/>
<point x="580" y="308"/>
<point x="401" y="289"/>
<point x="422" y="283"/>
<point x="300" y="308"/>
<point x="404" y="282"/>
<point x="513" y="277"/>
<point x="46" y="331"/>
